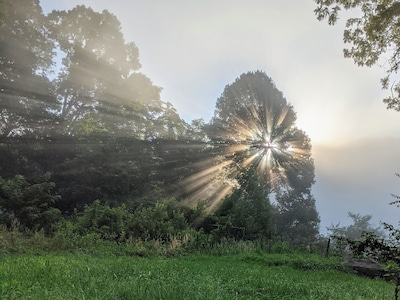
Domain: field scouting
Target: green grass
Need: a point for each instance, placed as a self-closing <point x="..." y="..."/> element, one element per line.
<point x="247" y="276"/>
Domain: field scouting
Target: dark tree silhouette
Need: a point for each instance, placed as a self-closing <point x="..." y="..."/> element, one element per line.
<point x="253" y="129"/>
<point x="254" y="125"/>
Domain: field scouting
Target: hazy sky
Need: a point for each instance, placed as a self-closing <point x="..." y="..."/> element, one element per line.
<point x="193" y="49"/>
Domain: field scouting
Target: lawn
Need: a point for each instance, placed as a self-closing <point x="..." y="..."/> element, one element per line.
<point x="247" y="276"/>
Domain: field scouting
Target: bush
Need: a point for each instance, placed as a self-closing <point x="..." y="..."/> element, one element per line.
<point x="109" y="223"/>
<point x="30" y="202"/>
<point x="158" y="222"/>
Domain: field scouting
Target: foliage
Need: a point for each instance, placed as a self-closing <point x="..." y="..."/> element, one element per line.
<point x="254" y="125"/>
<point x="296" y="218"/>
<point x="164" y="222"/>
<point x="195" y="130"/>
<point x="160" y="222"/>
<point x="96" y="60"/>
<point x="247" y="213"/>
<point x="383" y="248"/>
<point x="253" y="128"/>
<point x="26" y="54"/>
<point x="97" y="89"/>
<point x="373" y="36"/>
<point x="386" y="251"/>
<point x="30" y="202"/>
<point x="74" y="104"/>
<point x="114" y="169"/>
<point x="354" y="231"/>
<point x="109" y="223"/>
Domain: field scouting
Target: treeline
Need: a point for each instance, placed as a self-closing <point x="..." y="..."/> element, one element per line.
<point x="32" y="223"/>
<point x="121" y="213"/>
<point x="87" y="146"/>
<point x="115" y="170"/>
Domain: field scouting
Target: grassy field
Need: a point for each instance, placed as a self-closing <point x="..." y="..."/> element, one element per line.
<point x="246" y="276"/>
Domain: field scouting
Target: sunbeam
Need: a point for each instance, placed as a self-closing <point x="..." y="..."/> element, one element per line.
<point x="253" y="127"/>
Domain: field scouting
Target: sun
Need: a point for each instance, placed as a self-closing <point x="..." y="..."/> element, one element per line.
<point x="268" y="145"/>
<point x="253" y="128"/>
<point x="321" y="129"/>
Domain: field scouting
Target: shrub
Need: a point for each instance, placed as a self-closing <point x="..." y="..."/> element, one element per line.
<point x="157" y="222"/>
<point x="109" y="223"/>
<point x="30" y="202"/>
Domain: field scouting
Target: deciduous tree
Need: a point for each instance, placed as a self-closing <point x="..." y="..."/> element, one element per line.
<point x="32" y="202"/>
<point x="247" y="213"/>
<point x="26" y="99"/>
<point x="296" y="217"/>
<point x="361" y="224"/>
<point x="99" y="78"/>
<point x="373" y="35"/>
<point x="254" y="128"/>
<point x="254" y="125"/>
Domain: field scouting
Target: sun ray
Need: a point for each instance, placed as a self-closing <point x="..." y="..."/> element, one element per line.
<point x="254" y="127"/>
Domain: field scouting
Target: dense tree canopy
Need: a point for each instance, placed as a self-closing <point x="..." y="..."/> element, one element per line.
<point x="374" y="36"/>
<point x="26" y="54"/>
<point x="254" y="129"/>
<point x="93" y="123"/>
<point x="98" y="82"/>
<point x="32" y="203"/>
<point x="75" y="106"/>
<point x="296" y="217"/>
<point x="247" y="212"/>
<point x="72" y="73"/>
<point x="254" y="125"/>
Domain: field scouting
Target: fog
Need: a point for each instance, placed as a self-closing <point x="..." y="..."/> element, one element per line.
<point x="358" y="176"/>
<point x="193" y="49"/>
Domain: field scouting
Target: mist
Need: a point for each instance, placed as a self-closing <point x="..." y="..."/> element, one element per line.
<point x="357" y="176"/>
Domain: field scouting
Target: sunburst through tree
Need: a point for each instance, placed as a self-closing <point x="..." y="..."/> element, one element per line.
<point x="254" y="127"/>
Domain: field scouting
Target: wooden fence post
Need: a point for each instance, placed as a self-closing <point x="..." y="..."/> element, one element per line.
<point x="327" y="247"/>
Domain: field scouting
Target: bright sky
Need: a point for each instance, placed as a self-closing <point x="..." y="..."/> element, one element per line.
<point x="192" y="49"/>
